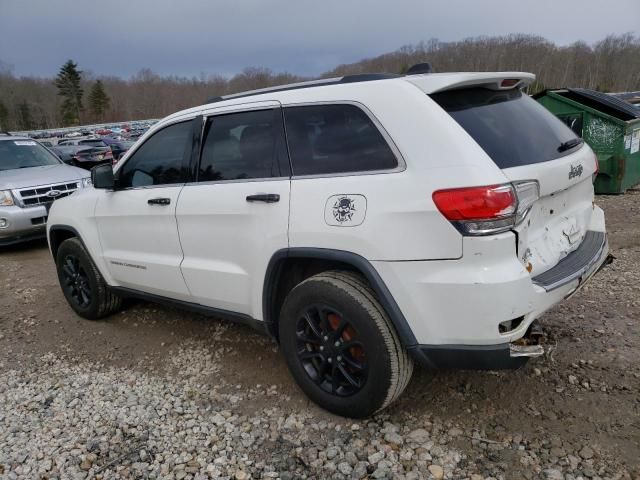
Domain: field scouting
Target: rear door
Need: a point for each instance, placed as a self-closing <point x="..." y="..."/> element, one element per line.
<point x="137" y="221"/>
<point x="541" y="155"/>
<point x="236" y="214"/>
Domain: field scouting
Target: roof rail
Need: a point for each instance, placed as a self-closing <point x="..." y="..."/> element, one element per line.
<point x="360" y="77"/>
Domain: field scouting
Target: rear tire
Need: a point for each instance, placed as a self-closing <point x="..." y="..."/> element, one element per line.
<point x="82" y="284"/>
<point x="341" y="346"/>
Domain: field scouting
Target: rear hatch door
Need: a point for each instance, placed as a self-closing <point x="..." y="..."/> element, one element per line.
<point x="550" y="165"/>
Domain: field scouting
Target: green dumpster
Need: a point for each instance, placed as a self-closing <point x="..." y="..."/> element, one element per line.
<point x="609" y="125"/>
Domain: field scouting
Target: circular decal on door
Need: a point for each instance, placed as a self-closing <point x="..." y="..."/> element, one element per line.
<point x="345" y="210"/>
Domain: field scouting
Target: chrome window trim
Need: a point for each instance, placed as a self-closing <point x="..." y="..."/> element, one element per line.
<point x="402" y="164"/>
<point x="238" y="180"/>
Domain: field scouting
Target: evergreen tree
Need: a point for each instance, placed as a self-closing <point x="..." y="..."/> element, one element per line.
<point x="98" y="100"/>
<point x="68" y="83"/>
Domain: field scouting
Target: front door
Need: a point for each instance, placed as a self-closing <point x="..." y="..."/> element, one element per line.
<point x="137" y="221"/>
<point x="235" y="216"/>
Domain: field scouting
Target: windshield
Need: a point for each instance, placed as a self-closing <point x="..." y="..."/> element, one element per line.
<point x="510" y="126"/>
<point x="24" y="154"/>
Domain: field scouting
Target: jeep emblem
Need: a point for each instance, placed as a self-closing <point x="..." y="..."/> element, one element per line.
<point x="575" y="171"/>
<point x="53" y="193"/>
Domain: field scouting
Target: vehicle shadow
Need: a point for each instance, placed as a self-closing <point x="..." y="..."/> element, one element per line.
<point x="25" y="246"/>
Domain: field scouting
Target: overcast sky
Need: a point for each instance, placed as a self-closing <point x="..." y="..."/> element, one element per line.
<point x="189" y="37"/>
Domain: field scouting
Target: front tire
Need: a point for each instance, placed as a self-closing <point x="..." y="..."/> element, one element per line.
<point x="341" y="346"/>
<point x="82" y="284"/>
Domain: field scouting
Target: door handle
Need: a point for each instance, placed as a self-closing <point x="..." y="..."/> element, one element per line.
<point x="159" y="201"/>
<point x="264" y="197"/>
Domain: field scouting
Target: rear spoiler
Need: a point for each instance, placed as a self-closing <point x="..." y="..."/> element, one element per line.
<point x="439" y="82"/>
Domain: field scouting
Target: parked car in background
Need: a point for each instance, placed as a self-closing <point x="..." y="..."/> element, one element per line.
<point x="31" y="178"/>
<point x="83" y="156"/>
<point x="118" y="147"/>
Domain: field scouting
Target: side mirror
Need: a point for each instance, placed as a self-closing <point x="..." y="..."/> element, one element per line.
<point x="102" y="176"/>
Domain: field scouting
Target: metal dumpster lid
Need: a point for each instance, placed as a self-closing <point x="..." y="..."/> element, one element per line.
<point x="622" y="108"/>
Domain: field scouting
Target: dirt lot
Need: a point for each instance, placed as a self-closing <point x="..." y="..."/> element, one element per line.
<point x="159" y="393"/>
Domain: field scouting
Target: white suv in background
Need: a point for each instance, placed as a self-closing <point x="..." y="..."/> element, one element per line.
<point x="365" y="222"/>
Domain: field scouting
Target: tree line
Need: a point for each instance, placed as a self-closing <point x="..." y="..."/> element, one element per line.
<point x="610" y="65"/>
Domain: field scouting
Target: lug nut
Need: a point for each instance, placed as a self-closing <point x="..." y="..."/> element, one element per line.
<point x="338" y="358"/>
<point x="337" y="344"/>
<point x="329" y="360"/>
<point x="321" y="348"/>
<point x="326" y="338"/>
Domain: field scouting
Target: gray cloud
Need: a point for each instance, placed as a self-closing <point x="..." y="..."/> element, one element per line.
<point x="118" y="37"/>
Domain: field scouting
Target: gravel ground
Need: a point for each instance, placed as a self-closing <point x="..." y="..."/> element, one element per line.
<point x="158" y="393"/>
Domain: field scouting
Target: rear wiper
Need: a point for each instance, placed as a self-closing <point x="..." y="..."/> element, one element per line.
<point x="569" y="144"/>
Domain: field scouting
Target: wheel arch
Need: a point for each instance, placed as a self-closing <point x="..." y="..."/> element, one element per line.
<point x="58" y="234"/>
<point x="289" y="266"/>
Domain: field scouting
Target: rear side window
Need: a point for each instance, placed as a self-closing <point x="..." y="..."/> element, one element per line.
<point x="341" y="138"/>
<point x="244" y="145"/>
<point x="510" y="126"/>
<point x="160" y="160"/>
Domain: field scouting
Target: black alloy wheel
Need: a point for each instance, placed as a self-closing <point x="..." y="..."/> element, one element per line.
<point x="329" y="350"/>
<point x="76" y="281"/>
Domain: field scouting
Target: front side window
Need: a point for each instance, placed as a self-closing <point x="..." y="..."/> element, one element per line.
<point x="341" y="138"/>
<point x="243" y="145"/>
<point x="160" y="160"/>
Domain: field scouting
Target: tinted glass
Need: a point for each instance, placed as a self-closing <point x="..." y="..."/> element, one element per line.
<point x="510" y="126"/>
<point x="159" y="160"/>
<point x="335" y="139"/>
<point x="16" y="154"/>
<point x="93" y="143"/>
<point x="242" y="146"/>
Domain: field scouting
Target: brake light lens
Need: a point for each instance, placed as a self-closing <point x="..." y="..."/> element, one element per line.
<point x="476" y="203"/>
<point x="509" y="82"/>
<point x="487" y="210"/>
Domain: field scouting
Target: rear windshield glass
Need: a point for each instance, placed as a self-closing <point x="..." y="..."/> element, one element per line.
<point x="510" y="126"/>
<point x="93" y="143"/>
<point x="16" y="154"/>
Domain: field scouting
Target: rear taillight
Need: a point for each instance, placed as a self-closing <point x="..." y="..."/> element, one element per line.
<point x="488" y="209"/>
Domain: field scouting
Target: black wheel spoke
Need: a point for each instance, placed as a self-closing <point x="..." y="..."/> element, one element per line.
<point x="312" y="325"/>
<point x="67" y="270"/>
<point x="309" y="354"/>
<point x="348" y="377"/>
<point x="352" y="363"/>
<point x="308" y="339"/>
<point x="333" y="380"/>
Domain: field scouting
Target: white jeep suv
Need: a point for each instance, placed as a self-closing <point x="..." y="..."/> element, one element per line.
<point x="365" y="222"/>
